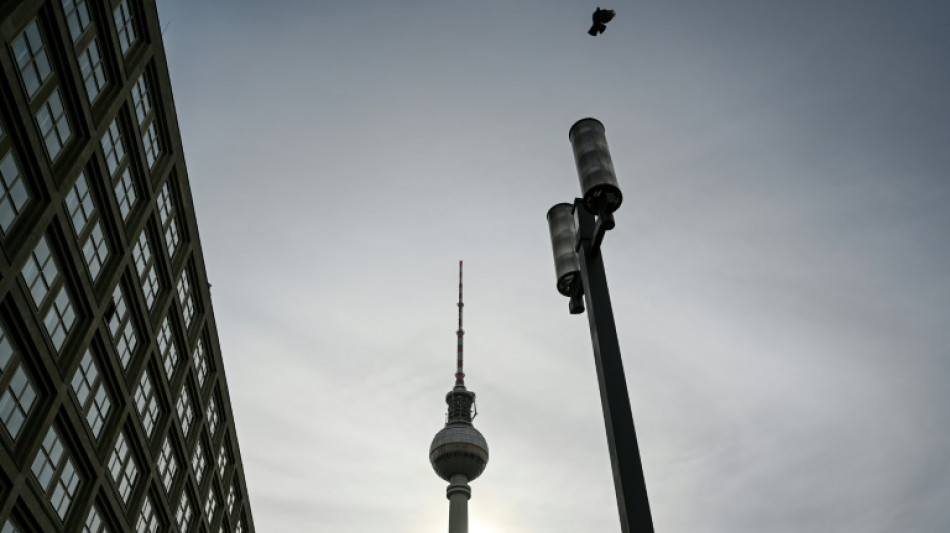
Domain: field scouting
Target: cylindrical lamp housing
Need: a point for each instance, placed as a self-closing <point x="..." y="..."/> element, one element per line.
<point x="563" y="239"/>
<point x="594" y="167"/>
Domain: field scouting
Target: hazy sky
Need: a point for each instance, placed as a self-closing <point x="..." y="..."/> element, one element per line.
<point x="780" y="270"/>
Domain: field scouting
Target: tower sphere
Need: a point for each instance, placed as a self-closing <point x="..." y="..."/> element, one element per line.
<point x="458" y="449"/>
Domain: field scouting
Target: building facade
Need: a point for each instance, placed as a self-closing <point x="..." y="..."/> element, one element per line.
<point x="114" y="409"/>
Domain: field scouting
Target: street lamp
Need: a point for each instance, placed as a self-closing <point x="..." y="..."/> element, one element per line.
<point x="577" y="231"/>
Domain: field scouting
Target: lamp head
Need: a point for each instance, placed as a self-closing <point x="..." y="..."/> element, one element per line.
<point x="594" y="167"/>
<point x="563" y="241"/>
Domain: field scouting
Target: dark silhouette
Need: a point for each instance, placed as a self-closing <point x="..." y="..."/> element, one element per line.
<point x="601" y="17"/>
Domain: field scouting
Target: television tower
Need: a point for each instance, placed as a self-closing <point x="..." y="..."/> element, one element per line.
<point x="459" y="452"/>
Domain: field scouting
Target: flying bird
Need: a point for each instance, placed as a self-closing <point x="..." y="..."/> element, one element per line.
<point x="601" y="17"/>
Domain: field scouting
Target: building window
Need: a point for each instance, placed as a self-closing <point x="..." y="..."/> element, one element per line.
<point x="166" y="344"/>
<point x="211" y="504"/>
<point x="140" y="99"/>
<point x="55" y="473"/>
<point x="91" y="392"/>
<point x="41" y="275"/>
<point x="142" y="253"/>
<point x="124" y="25"/>
<point x="239" y="528"/>
<point x="222" y="460"/>
<point x="54" y="126"/>
<point x="183" y="514"/>
<point x="201" y="362"/>
<point x="93" y="73"/>
<point x="185" y="413"/>
<point x="166" y="207"/>
<point x="77" y="17"/>
<point x="146" y="403"/>
<point x="232" y="496"/>
<point x="6" y="351"/>
<point x="123" y="469"/>
<point x="198" y="463"/>
<point x="167" y="465"/>
<point x="82" y="211"/>
<point x="112" y="147"/>
<point x="144" y="264"/>
<point x="148" y="521"/>
<point x="166" y="211"/>
<point x="211" y="413"/>
<point x="126" y="343"/>
<point x="119" y="318"/>
<point x="94" y="523"/>
<point x="8" y="527"/>
<point x="40" y="272"/>
<point x="152" y="146"/>
<point x="125" y="193"/>
<point x="95" y="250"/>
<point x="31" y="58"/>
<point x="13" y="193"/>
<point x="150" y="286"/>
<point x="172" y="238"/>
<point x="118" y="311"/>
<point x="59" y="318"/>
<point x="79" y="204"/>
<point x="16" y="402"/>
<point x="186" y="298"/>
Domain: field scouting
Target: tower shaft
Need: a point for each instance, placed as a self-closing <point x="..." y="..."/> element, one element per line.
<point x="458" y="494"/>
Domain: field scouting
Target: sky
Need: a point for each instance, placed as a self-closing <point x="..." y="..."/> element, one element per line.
<point x="778" y="272"/>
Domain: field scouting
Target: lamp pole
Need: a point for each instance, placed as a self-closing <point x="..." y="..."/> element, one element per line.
<point x="577" y="231"/>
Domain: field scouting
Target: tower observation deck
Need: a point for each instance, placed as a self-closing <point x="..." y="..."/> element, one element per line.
<point x="459" y="452"/>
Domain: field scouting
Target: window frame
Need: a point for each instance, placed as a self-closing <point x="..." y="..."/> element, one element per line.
<point x="55" y="304"/>
<point x="147" y="523"/>
<point x="90" y="237"/>
<point x="200" y="358"/>
<point x="199" y="463"/>
<point x="185" y="410"/>
<point x="122" y="328"/>
<point x="94" y="522"/>
<point x="10" y="185"/>
<point x="77" y="7"/>
<point x="187" y="298"/>
<point x="124" y="470"/>
<point x="126" y="27"/>
<point x="146" y="266"/>
<point x="184" y="512"/>
<point x="167" y="463"/>
<point x="62" y="138"/>
<point x="168" y="348"/>
<point x="92" y="70"/>
<point x="62" y="485"/>
<point x="89" y="390"/>
<point x="23" y="395"/>
<point x="149" y="408"/>
<point x="34" y="51"/>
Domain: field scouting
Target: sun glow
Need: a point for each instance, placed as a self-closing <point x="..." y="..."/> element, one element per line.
<point x="477" y="526"/>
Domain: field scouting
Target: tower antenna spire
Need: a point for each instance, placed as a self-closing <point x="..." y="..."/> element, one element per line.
<point x="459" y="373"/>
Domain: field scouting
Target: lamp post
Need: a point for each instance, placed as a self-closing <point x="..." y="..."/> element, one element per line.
<point x="577" y="231"/>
